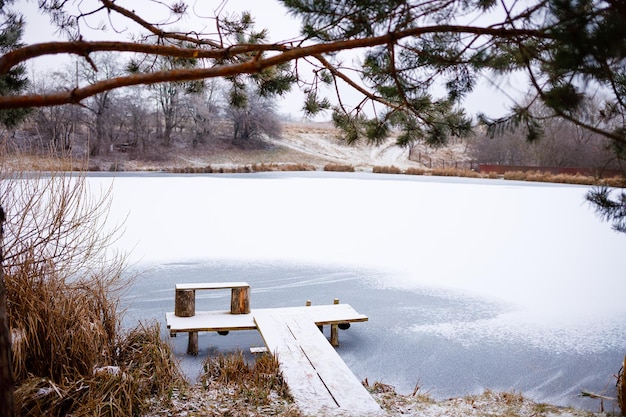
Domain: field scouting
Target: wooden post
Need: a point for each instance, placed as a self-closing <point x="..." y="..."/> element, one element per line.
<point x="185" y="306"/>
<point x="192" y="345"/>
<point x="334" y="330"/>
<point x="185" y="303"/>
<point x="240" y="300"/>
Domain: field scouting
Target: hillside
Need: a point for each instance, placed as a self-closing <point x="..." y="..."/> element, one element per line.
<point x="309" y="143"/>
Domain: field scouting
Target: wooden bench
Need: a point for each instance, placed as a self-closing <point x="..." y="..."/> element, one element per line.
<point x="185" y="303"/>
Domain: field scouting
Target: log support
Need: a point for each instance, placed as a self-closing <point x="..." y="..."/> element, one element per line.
<point x="334" y="330"/>
<point x="185" y="306"/>
<point x="240" y="300"/>
<point x="192" y="344"/>
<point x="185" y="303"/>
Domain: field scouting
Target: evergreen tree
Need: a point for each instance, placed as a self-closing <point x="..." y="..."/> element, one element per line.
<point x="13" y="81"/>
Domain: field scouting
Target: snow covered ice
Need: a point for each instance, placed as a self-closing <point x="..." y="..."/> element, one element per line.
<point x="468" y="284"/>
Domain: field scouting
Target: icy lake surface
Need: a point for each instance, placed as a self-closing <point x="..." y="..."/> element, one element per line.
<point x="468" y="284"/>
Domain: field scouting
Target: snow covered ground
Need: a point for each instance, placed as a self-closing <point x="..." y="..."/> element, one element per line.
<point x="469" y="284"/>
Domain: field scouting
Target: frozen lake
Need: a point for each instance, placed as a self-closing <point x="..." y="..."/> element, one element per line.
<point x="468" y="284"/>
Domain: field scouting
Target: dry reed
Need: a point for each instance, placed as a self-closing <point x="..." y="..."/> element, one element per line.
<point x="142" y="369"/>
<point x="386" y="170"/>
<point x="263" y="167"/>
<point x="416" y="171"/>
<point x="454" y="172"/>
<point x="63" y="290"/>
<point x="256" y="382"/>
<point x="338" y="168"/>
<point x="621" y="388"/>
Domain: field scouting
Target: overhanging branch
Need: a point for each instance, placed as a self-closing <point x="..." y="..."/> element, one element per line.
<point x="284" y="54"/>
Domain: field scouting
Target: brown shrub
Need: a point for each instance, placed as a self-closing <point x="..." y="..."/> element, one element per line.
<point x="386" y="170"/>
<point x="63" y="291"/>
<point x="255" y="382"/>
<point x="338" y="168"/>
<point x="416" y="171"/>
<point x="74" y="323"/>
<point x="515" y="176"/>
<point x="455" y="172"/>
<point x="142" y="369"/>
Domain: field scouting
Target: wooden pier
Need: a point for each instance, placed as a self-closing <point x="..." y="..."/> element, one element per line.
<point x="320" y="382"/>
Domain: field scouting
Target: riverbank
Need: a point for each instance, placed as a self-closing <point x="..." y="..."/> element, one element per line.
<point x="222" y="401"/>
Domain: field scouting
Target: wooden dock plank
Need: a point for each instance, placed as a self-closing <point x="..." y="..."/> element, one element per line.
<point x="211" y="285"/>
<point x="212" y="321"/>
<point x="320" y="382"/>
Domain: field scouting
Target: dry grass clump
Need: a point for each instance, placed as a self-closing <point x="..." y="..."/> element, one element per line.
<point x="142" y="353"/>
<point x="256" y="382"/>
<point x="263" y="167"/>
<point x="64" y="328"/>
<point x="386" y="170"/>
<point x="141" y="369"/>
<point x="232" y="387"/>
<point x="416" y="171"/>
<point x="18" y="161"/>
<point x="617" y="182"/>
<point x="68" y="354"/>
<point x="282" y="167"/>
<point x="516" y="175"/>
<point x="210" y="170"/>
<point x="338" y="168"/>
<point x="540" y="176"/>
<point x="63" y="289"/>
<point x="454" y="172"/>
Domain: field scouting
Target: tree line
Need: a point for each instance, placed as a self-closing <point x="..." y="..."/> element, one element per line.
<point x="142" y="120"/>
<point x="563" y="144"/>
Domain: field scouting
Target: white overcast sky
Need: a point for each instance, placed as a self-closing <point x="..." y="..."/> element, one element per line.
<point x="268" y="14"/>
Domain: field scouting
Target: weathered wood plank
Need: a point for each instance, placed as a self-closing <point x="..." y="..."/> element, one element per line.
<point x="222" y="320"/>
<point x="210" y="321"/>
<point x="320" y="382"/>
<point x="211" y="285"/>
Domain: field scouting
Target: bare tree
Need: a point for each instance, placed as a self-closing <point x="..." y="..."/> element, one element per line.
<point x="204" y="111"/>
<point x="252" y="115"/>
<point x="140" y="120"/>
<point x="562" y="144"/>
<point x="55" y="127"/>
<point x="100" y="67"/>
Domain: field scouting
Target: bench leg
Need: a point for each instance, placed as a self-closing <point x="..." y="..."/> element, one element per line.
<point x="334" y="335"/>
<point x="192" y="345"/>
<point x="334" y="330"/>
